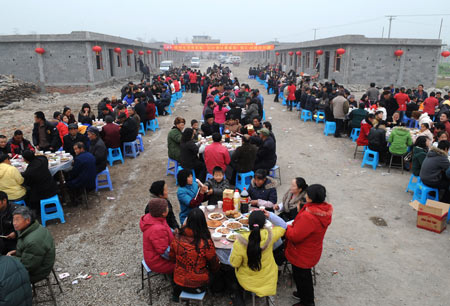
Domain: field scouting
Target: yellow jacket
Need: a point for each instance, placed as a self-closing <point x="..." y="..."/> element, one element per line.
<point x="264" y="281"/>
<point x="11" y="182"/>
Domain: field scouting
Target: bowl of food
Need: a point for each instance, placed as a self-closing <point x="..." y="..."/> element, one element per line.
<point x="223" y="230"/>
<point x="233" y="214"/>
<point x="211" y="207"/>
<point x="213" y="223"/>
<point x="244" y="221"/>
<point x="234" y="225"/>
<point x="232" y="237"/>
<point x="216" y="236"/>
<point x="215" y="216"/>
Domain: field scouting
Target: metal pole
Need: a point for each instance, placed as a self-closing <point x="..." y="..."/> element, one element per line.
<point x="382" y="33"/>
<point x="390" y="22"/>
<point x="315" y="33"/>
<point x="440" y="28"/>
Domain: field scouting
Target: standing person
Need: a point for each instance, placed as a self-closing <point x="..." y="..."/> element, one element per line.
<point x="304" y="241"/>
<point x="402" y="99"/>
<point x="11" y="180"/>
<point x="193" y="81"/>
<point x="292" y="198"/>
<point x="160" y="190"/>
<point x="252" y="254"/>
<point x="8" y="240"/>
<point x="194" y="255"/>
<point x="45" y="134"/>
<point x="38" y="179"/>
<point x="430" y="104"/>
<point x="340" y="108"/>
<point x="421" y="94"/>
<point x="372" y="94"/>
<point x="174" y="139"/>
<point x="291" y="95"/>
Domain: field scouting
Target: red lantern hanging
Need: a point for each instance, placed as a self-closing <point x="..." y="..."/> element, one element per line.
<point x="291" y="53"/>
<point x="117" y="50"/>
<point x="39" y="50"/>
<point x="340" y="51"/>
<point x="319" y="52"/>
<point x="97" y="49"/>
<point x="129" y="51"/>
<point x="299" y="53"/>
<point x="445" y="53"/>
<point x="277" y="53"/>
<point x="398" y="53"/>
<point x="159" y="52"/>
<point x="149" y="51"/>
<point x="141" y="52"/>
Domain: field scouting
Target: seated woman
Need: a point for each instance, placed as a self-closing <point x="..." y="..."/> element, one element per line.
<point x="189" y="154"/>
<point x="366" y="125"/>
<point x="434" y="169"/>
<point x="420" y="151"/>
<point x="216" y="186"/>
<point x="291" y="199"/>
<point x="400" y="139"/>
<point x="194" y="255"/>
<point x="86" y="114"/>
<point x="160" y="190"/>
<point x="377" y="140"/>
<point x="11" y="181"/>
<point x="304" y="241"/>
<point x="188" y="193"/>
<point x="157" y="237"/>
<point x="425" y="131"/>
<point x="441" y="135"/>
<point x="395" y="120"/>
<point x="262" y="190"/>
<point x="252" y="254"/>
<point x="422" y="118"/>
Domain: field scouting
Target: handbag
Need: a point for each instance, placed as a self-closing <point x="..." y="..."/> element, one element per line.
<point x="408" y="157"/>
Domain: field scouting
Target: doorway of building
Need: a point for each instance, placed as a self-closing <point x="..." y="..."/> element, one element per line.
<point x="327" y="64"/>
<point x="111" y="61"/>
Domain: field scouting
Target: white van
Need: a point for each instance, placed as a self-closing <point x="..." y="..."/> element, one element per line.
<point x="195" y="62"/>
<point x="236" y="60"/>
<point x="165" y="65"/>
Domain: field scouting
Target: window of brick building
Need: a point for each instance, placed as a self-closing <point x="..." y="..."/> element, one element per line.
<point x="337" y="62"/>
<point x="119" y="60"/>
<point x="307" y="60"/>
<point x="99" y="61"/>
<point x="128" y="60"/>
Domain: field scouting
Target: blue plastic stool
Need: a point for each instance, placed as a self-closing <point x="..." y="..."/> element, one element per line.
<point x="51" y="209"/>
<point x="183" y="88"/>
<point x="271" y="92"/>
<point x="100" y="184"/>
<point x="153" y="125"/>
<point x="181" y="168"/>
<point x="142" y="129"/>
<point x="330" y="128"/>
<point x="130" y="149"/>
<point x="198" y="297"/>
<point x="273" y="173"/>
<point x="20" y="202"/>
<point x="140" y="143"/>
<point x="423" y="192"/>
<point x="156" y="112"/>
<point x="221" y="130"/>
<point x="412" y="184"/>
<point x="370" y="158"/>
<point x="264" y="115"/>
<point x="355" y="134"/>
<point x="306" y="115"/>
<point x="114" y="154"/>
<point x="320" y="116"/>
<point x="172" y="169"/>
<point x="284" y="101"/>
<point x="243" y="180"/>
<point x="169" y="111"/>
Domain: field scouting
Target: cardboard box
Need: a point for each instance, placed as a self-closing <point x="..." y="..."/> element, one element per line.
<point x="432" y="216"/>
<point x="228" y="199"/>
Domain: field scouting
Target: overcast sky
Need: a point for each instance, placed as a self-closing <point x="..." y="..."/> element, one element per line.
<point x="228" y="20"/>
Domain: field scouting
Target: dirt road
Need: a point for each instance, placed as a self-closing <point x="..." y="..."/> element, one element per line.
<point x="362" y="263"/>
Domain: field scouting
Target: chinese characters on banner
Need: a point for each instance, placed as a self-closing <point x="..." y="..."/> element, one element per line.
<point x="239" y="47"/>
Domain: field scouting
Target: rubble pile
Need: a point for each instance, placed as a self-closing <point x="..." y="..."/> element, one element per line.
<point x="14" y="90"/>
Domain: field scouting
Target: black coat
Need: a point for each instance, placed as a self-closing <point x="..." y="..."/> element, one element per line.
<point x="69" y="142"/>
<point x="188" y="154"/>
<point x="266" y="157"/>
<point x="39" y="180"/>
<point x="52" y="135"/>
<point x="243" y="159"/>
<point x="377" y="138"/>
<point x="6" y="228"/>
<point x="98" y="149"/>
<point x="208" y="130"/>
<point x="129" y="130"/>
<point x="234" y="113"/>
<point x="140" y="109"/>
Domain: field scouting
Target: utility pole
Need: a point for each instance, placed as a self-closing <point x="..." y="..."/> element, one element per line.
<point x="314" y="33"/>
<point x="382" y="33"/>
<point x="391" y="17"/>
<point x="440" y="28"/>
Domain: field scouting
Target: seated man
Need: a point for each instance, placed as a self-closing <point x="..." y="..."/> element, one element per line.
<point x="18" y="144"/>
<point x="35" y="246"/>
<point x="129" y="129"/>
<point x="111" y="133"/>
<point x="38" y="179"/>
<point x="15" y="283"/>
<point x="97" y="148"/>
<point x="72" y="138"/>
<point x="210" y="127"/>
<point x="45" y="134"/>
<point x="266" y="157"/>
<point x="9" y="238"/>
<point x="83" y="173"/>
<point x="356" y="116"/>
<point x="262" y="190"/>
<point x="216" y="154"/>
<point x="256" y="122"/>
<point x="4" y="148"/>
<point x="11" y="180"/>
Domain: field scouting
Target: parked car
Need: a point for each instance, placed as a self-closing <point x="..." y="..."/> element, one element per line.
<point x="195" y="62"/>
<point x="165" y="65"/>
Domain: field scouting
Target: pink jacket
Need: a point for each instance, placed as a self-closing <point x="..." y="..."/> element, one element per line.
<point x="157" y="237"/>
<point x="220" y="115"/>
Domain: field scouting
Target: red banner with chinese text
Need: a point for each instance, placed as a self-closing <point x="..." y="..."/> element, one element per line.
<point x="232" y="47"/>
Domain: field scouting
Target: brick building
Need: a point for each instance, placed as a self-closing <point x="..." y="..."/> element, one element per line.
<point x="365" y="59"/>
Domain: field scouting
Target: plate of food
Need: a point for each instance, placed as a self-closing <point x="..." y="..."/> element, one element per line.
<point x="223" y="230"/>
<point x="214" y="223"/>
<point x="233" y="225"/>
<point x="232" y="237"/>
<point x="244" y="221"/>
<point x="233" y="214"/>
<point x="215" y="216"/>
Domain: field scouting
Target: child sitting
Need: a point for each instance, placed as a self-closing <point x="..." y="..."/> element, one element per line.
<point x="216" y="186"/>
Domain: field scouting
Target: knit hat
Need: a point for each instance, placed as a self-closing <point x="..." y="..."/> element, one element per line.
<point x="264" y="132"/>
<point x="157" y="188"/>
<point x="157" y="207"/>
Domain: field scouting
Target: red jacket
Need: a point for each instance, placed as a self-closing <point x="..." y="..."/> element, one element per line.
<point x="362" y="138"/>
<point x="111" y="135"/>
<point x="176" y="84"/>
<point x="193" y="78"/>
<point x="157" y="237"/>
<point x="150" y="111"/>
<point x="216" y="155"/>
<point x="429" y="105"/>
<point x="402" y="98"/>
<point x="305" y="236"/>
<point x="63" y="130"/>
<point x="291" y="90"/>
<point x="191" y="267"/>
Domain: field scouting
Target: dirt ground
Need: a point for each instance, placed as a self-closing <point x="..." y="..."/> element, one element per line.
<point x="362" y="263"/>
